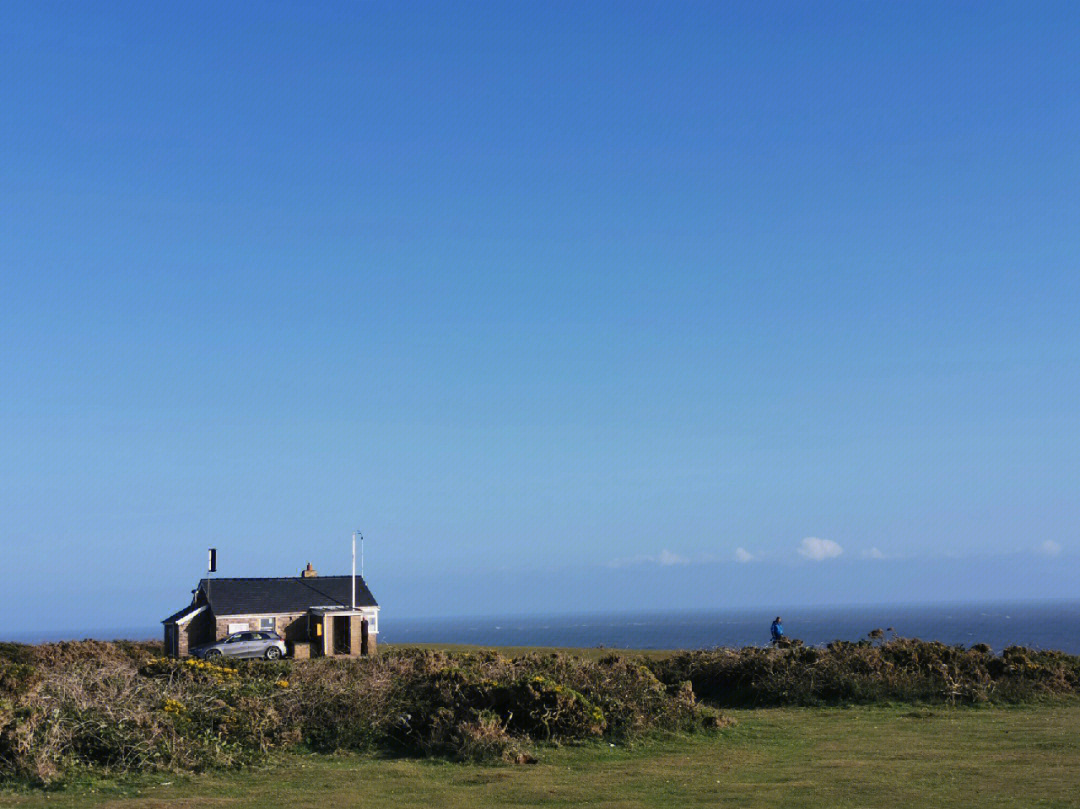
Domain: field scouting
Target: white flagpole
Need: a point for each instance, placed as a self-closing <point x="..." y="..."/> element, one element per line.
<point x="353" y="588"/>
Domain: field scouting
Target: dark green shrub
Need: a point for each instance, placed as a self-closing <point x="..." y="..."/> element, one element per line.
<point x="900" y="669"/>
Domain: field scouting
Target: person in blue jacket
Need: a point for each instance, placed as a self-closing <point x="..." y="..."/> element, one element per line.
<point x="777" y="630"/>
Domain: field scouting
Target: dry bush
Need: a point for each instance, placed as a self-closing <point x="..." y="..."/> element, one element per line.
<point x="91" y="705"/>
<point x="901" y="669"/>
<point x="115" y="708"/>
<point x="118" y="708"/>
<point x="485" y="739"/>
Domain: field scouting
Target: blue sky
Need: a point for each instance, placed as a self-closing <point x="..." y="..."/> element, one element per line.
<point x="575" y="306"/>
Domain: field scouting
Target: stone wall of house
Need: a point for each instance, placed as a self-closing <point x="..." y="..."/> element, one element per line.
<point x="291" y="627"/>
<point x="195" y="632"/>
<point x="355" y="635"/>
<point x="221" y="629"/>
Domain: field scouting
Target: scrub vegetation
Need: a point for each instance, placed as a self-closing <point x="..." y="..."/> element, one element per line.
<point x="119" y="708"/>
<point x="72" y="709"/>
<point x="872" y="671"/>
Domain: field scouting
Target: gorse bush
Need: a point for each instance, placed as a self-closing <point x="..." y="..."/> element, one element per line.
<point x="118" y="709"/>
<point x="431" y="702"/>
<point x="123" y="707"/>
<point x="93" y="705"/>
<point x="900" y="669"/>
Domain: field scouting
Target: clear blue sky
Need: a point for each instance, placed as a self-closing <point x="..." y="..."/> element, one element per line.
<point x="565" y="305"/>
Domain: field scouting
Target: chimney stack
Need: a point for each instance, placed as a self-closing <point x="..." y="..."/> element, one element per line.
<point x="308" y="572"/>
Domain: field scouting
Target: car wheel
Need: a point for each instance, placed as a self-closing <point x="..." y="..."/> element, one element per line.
<point x="273" y="653"/>
<point x="213" y="653"/>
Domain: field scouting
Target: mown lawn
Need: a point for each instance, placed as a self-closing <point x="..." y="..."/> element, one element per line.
<point x="789" y="757"/>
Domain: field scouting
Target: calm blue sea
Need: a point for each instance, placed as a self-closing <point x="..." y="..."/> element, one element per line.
<point x="1041" y="625"/>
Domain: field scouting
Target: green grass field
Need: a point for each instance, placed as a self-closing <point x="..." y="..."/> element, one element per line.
<point x="807" y="757"/>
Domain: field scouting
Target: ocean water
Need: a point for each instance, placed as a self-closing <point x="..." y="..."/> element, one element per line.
<point x="1041" y="625"/>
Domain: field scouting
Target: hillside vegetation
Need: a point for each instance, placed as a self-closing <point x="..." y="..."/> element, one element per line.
<point x="121" y="707"/>
<point x="872" y="671"/>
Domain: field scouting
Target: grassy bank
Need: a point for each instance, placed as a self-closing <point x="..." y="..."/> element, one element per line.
<point x="793" y="757"/>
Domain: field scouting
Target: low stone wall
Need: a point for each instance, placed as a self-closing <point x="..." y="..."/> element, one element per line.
<point x="300" y="650"/>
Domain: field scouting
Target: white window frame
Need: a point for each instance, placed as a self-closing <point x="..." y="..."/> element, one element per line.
<point x="373" y="621"/>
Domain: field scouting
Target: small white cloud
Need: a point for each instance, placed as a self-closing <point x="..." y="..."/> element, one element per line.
<point x="819" y="549"/>
<point x="1050" y="548"/>
<point x="873" y="553"/>
<point x="743" y="555"/>
<point x="666" y="557"/>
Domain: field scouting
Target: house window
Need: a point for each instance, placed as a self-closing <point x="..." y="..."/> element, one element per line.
<point x="267" y="625"/>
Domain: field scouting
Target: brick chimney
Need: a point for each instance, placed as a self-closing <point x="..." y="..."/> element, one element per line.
<point x="308" y="572"/>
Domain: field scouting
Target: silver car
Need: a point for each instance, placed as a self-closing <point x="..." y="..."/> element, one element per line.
<point x="261" y="644"/>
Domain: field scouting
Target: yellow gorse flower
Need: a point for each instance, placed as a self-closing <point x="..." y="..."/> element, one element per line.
<point x="218" y="672"/>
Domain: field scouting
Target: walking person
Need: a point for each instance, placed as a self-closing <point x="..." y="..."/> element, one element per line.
<point x="777" y="630"/>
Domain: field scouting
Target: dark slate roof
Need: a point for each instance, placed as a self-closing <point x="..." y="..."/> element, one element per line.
<point x="294" y="594"/>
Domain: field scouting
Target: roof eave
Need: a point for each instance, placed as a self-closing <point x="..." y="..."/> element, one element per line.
<point x="183" y="616"/>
